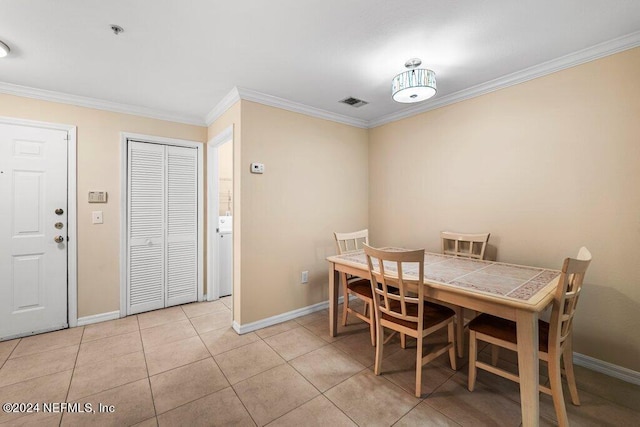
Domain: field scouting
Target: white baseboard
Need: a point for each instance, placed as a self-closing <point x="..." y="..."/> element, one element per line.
<point x="607" y="368"/>
<point x="274" y="320"/>
<point x="96" y="318"/>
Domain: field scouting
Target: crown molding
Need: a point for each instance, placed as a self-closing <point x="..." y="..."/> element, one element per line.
<point x="225" y="103"/>
<point x="285" y="104"/>
<point x="592" y="53"/>
<point x="83" y="101"/>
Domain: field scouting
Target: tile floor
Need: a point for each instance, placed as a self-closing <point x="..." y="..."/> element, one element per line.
<point x="186" y="366"/>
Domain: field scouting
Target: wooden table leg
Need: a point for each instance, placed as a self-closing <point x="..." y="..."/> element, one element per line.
<point x="334" y="280"/>
<point x="527" y="324"/>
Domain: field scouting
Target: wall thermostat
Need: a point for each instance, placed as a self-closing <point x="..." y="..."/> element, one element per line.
<point x="97" y="197"/>
<point x="257" y="167"/>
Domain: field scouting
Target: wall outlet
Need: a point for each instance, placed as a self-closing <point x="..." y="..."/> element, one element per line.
<point x="305" y="277"/>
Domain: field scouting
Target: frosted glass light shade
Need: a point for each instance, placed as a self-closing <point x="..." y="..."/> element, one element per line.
<point x="414" y="85"/>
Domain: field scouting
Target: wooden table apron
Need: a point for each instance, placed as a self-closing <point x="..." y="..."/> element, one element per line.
<point x="524" y="313"/>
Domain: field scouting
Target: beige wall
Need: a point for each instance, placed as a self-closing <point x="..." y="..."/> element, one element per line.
<point x="545" y="166"/>
<point x="315" y="183"/>
<point x="98" y="139"/>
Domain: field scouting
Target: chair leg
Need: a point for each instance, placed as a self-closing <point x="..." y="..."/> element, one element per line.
<point x="452" y="350"/>
<point x="345" y="300"/>
<point x="460" y="330"/>
<point x="495" y="354"/>
<point x="372" y="325"/>
<point x="556" y="388"/>
<point x="379" y="346"/>
<point x="473" y="350"/>
<point x="567" y="356"/>
<point x="419" y="340"/>
<point x="403" y="341"/>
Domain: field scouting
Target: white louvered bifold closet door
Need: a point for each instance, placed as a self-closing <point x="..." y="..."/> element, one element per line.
<point x="182" y="225"/>
<point x="162" y="226"/>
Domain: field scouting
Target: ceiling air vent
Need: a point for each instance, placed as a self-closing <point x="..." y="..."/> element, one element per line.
<point x="354" y="102"/>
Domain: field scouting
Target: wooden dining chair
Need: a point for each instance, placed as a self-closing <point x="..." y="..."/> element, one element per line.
<point x="468" y="246"/>
<point x="554" y="336"/>
<point x="356" y="286"/>
<point x="399" y="305"/>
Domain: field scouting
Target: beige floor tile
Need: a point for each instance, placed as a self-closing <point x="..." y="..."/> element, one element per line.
<point x="6" y="347"/>
<point x="400" y="369"/>
<point x="314" y="317"/>
<point x="483" y="406"/>
<point x="294" y="343"/>
<point x="37" y="420"/>
<point x="196" y="309"/>
<point x="326" y="367"/>
<point x="247" y="361"/>
<point x="110" y="328"/>
<point x="174" y="354"/>
<point x="222" y="408"/>
<point x="503" y="386"/>
<point x="38" y="365"/>
<point x="167" y="333"/>
<point x="222" y="340"/>
<point x="618" y="391"/>
<point x="424" y="415"/>
<point x="273" y="393"/>
<point x="46" y="342"/>
<point x="359" y="347"/>
<point x="110" y="347"/>
<point x="373" y="407"/>
<point x="318" y="412"/>
<point x="132" y="404"/>
<point x="277" y="329"/>
<point x="185" y="384"/>
<point x="49" y="388"/>
<point x="151" y="422"/>
<point x="99" y="376"/>
<point x="160" y="317"/>
<point x="354" y="326"/>
<point x="228" y="301"/>
<point x="212" y="321"/>
<point x="593" y="411"/>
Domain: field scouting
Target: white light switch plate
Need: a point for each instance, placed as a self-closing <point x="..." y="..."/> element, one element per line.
<point x="96" y="217"/>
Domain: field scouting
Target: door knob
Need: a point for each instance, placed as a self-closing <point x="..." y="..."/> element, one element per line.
<point x="59" y="211"/>
<point x="58" y="239"/>
<point x="58" y="225"/>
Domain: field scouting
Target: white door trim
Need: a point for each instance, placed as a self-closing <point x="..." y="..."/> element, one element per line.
<point x="213" y="202"/>
<point x="124" y="137"/>
<point x="72" y="204"/>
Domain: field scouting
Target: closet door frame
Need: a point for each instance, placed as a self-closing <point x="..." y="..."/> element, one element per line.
<point x="124" y="140"/>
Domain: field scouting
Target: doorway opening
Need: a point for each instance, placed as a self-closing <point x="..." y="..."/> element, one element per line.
<point x="220" y="217"/>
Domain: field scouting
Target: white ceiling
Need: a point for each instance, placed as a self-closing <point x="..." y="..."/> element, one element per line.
<point x="182" y="57"/>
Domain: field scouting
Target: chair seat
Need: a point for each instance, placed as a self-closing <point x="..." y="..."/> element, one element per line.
<point x="361" y="287"/>
<point x="433" y="314"/>
<point x="506" y="330"/>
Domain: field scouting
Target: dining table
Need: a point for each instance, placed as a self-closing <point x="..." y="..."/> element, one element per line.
<point x="516" y="292"/>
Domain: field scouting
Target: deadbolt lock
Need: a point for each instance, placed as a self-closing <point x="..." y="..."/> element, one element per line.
<point x="59" y="211"/>
<point x="58" y="239"/>
<point x="58" y="225"/>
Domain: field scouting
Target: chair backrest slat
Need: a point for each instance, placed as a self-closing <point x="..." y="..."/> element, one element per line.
<point x="349" y="242"/>
<point x="566" y="297"/>
<point x="464" y="245"/>
<point x="396" y="293"/>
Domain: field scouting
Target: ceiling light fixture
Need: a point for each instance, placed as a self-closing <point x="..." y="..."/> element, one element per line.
<point x="4" y="50"/>
<point x="414" y="85"/>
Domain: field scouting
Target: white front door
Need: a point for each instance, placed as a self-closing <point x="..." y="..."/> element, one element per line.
<point x="33" y="230"/>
